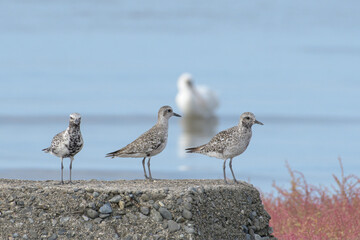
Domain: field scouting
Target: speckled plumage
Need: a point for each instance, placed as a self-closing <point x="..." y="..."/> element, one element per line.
<point x="229" y="143"/>
<point x="150" y="143"/>
<point x="67" y="143"/>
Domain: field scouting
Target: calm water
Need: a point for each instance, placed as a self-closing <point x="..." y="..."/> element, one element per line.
<point x="294" y="64"/>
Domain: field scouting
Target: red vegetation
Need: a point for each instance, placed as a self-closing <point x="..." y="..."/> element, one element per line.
<point x="308" y="212"/>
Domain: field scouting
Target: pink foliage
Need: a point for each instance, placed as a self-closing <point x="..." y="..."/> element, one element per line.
<point x="308" y="212"/>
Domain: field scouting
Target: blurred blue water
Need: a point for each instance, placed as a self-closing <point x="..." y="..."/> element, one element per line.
<point x="294" y="64"/>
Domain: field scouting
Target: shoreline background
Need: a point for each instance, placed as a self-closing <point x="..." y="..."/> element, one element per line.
<point x="293" y="64"/>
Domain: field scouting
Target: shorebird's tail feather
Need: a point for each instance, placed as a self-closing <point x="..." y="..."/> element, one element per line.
<point x="194" y="149"/>
<point x="46" y="150"/>
<point x="112" y="154"/>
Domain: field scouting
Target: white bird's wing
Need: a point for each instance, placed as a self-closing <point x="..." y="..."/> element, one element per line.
<point x="209" y="96"/>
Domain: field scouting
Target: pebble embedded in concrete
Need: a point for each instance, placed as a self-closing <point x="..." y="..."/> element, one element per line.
<point x="121" y="205"/>
<point x="187" y="214"/>
<point x="165" y="213"/>
<point x="189" y="229"/>
<point x="156" y="216"/>
<point x="115" y="199"/>
<point x="145" y="210"/>
<point x="106" y="208"/>
<point x="188" y="205"/>
<point x="104" y="215"/>
<point x="173" y="226"/>
<point x="92" y="213"/>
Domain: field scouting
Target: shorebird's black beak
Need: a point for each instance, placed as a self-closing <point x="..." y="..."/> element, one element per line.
<point x="257" y="122"/>
<point x="176" y="115"/>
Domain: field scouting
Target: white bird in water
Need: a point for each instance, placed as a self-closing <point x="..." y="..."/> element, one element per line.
<point x="229" y="143"/>
<point x="195" y="101"/>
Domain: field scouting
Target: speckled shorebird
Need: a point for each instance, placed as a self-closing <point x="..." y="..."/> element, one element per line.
<point x="149" y="143"/>
<point x="229" y="143"/>
<point x="67" y="143"/>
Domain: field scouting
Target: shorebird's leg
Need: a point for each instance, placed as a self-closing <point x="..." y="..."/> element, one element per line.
<point x="71" y="160"/>
<point x="62" y="167"/>
<point x="143" y="163"/>
<point x="150" y="177"/>
<point x="230" y="165"/>
<point x="224" y="171"/>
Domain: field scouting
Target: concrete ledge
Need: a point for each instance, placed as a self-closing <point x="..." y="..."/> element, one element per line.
<point x="139" y="209"/>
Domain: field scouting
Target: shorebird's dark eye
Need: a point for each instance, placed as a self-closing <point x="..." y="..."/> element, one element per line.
<point x="169" y="110"/>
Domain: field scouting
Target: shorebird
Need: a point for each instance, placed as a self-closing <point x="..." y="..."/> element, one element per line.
<point x="195" y="101"/>
<point x="229" y="143"/>
<point x="67" y="143"/>
<point x="150" y="143"/>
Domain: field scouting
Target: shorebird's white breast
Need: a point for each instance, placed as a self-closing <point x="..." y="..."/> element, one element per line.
<point x="234" y="150"/>
<point x="238" y="146"/>
<point x="215" y="154"/>
<point x="61" y="149"/>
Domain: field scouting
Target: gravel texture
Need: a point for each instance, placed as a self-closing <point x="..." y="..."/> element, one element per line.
<point x="133" y="210"/>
